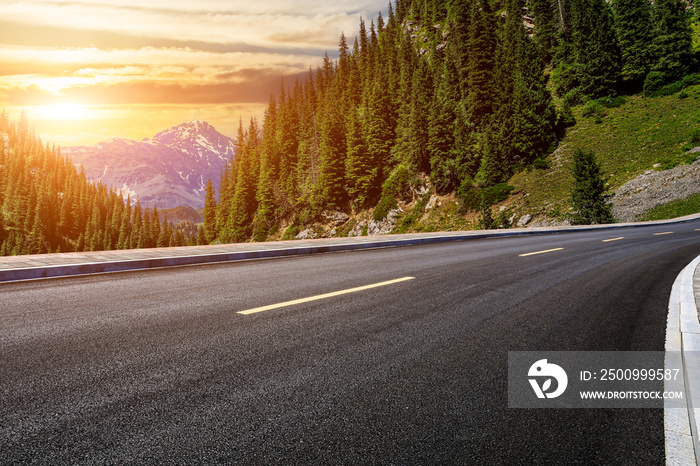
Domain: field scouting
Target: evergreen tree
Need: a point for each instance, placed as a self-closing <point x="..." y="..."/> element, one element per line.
<point x="444" y="173"/>
<point x="211" y="230"/>
<point x="165" y="234"/>
<point x="546" y="27"/>
<point x="155" y="227"/>
<point x="534" y="117"/>
<point x="417" y="155"/>
<point x="243" y="204"/>
<point x="672" y="43"/>
<point x="201" y="236"/>
<point x="361" y="174"/>
<point x="588" y="195"/>
<point x="333" y="146"/>
<point x="480" y="47"/>
<point x="596" y="53"/>
<point x="634" y="34"/>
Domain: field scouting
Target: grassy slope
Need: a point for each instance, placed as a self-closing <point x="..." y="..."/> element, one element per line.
<point x="630" y="140"/>
<point x="675" y="209"/>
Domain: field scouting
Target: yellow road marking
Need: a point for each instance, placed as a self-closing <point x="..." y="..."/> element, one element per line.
<point x="664" y="233"/>
<point x="613" y="239"/>
<point x="540" y="252"/>
<point x="323" y="296"/>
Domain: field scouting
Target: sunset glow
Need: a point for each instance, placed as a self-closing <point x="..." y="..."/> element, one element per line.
<point x="65" y="111"/>
<point x="120" y="68"/>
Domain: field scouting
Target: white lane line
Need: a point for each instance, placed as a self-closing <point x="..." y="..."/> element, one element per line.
<point x="323" y="296"/>
<point x="664" y="233"/>
<point x="540" y="252"/>
<point x="613" y="239"/>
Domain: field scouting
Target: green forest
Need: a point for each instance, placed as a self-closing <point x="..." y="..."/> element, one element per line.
<point x="47" y="206"/>
<point x="464" y="92"/>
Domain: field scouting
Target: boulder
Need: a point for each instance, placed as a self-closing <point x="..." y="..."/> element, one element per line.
<point x="309" y="233"/>
<point x="334" y="218"/>
<point x="524" y="220"/>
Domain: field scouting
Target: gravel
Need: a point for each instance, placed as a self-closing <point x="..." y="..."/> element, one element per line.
<point x="654" y="188"/>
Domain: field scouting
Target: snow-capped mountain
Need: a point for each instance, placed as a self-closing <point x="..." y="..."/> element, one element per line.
<point x="170" y="170"/>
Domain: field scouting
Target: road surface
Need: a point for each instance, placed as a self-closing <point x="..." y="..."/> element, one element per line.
<point x="161" y="366"/>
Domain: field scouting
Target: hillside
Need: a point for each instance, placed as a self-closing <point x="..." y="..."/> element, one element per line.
<point x="645" y="133"/>
<point x="453" y="115"/>
<point x="646" y="147"/>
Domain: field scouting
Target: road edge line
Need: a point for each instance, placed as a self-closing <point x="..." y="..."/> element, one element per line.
<point x="682" y="443"/>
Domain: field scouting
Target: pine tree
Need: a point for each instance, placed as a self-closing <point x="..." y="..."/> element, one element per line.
<point x="672" y="42"/>
<point x="417" y="154"/>
<point x="333" y="146"/>
<point x="546" y="27"/>
<point x="201" y="236"/>
<point x="480" y="47"/>
<point x="165" y="234"/>
<point x="534" y="116"/>
<point x="589" y="199"/>
<point x="360" y="172"/>
<point x="634" y="34"/>
<point x="211" y="229"/>
<point x="596" y="53"/>
<point x="444" y="173"/>
<point x="243" y="204"/>
<point x="155" y="227"/>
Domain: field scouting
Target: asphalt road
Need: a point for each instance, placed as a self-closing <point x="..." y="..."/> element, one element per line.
<point x="158" y="367"/>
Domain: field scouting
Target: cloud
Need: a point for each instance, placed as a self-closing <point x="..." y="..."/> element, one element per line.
<point x="243" y="86"/>
<point x="205" y="21"/>
<point x="178" y="53"/>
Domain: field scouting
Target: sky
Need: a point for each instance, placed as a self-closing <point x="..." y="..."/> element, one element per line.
<point x="86" y="71"/>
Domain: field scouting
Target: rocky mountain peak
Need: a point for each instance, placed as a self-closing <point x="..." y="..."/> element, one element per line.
<point x="169" y="170"/>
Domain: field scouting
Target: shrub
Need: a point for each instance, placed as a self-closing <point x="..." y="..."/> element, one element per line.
<point x="672" y="88"/>
<point x="397" y="186"/>
<point x="691" y="80"/>
<point x="565" y="117"/>
<point x="654" y="81"/>
<point x="417" y="212"/>
<point x="474" y="199"/>
<point x="386" y="204"/>
<point x="291" y="232"/>
<point x="497" y="193"/>
<point x="486" y="220"/>
<point x="658" y="89"/>
<point x="573" y="97"/>
<point x="592" y="109"/>
<point x="541" y="164"/>
<point x="471" y="199"/>
<point x="695" y="138"/>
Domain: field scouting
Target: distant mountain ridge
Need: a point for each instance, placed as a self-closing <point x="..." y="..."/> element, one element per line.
<point x="169" y="170"/>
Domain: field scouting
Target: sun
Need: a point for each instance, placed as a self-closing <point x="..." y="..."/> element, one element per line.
<point x="62" y="111"/>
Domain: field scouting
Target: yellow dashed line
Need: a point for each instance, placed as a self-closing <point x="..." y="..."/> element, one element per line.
<point x="323" y="296"/>
<point x="540" y="252"/>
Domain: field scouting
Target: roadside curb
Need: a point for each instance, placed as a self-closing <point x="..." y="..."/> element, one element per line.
<point x="171" y="257"/>
<point x="681" y="426"/>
